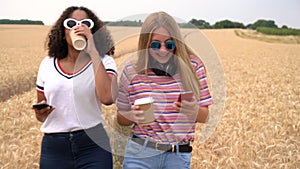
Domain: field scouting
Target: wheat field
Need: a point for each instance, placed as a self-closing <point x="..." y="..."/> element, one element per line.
<point x="259" y="123"/>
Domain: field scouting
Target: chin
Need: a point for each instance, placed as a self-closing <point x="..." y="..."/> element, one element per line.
<point x="164" y="60"/>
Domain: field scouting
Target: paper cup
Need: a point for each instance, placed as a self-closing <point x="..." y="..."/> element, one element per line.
<point x="79" y="42"/>
<point x="146" y="104"/>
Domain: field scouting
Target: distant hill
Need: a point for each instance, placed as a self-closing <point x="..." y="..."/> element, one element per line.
<point x="22" y="21"/>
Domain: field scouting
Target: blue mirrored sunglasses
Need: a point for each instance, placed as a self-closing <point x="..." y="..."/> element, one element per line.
<point x="156" y="45"/>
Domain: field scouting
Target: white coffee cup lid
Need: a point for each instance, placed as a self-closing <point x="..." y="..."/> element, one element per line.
<point x="144" y="100"/>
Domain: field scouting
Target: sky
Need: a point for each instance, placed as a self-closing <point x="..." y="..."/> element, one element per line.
<point x="283" y="12"/>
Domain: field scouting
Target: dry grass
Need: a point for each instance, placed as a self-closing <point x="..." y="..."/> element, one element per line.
<point x="21" y="50"/>
<point x="260" y="127"/>
<point x="252" y="34"/>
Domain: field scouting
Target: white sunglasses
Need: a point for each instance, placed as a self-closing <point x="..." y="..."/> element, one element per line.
<point x="70" y="23"/>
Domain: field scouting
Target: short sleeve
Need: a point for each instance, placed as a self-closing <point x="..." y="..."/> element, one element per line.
<point x="110" y="65"/>
<point x="205" y="96"/>
<point x="123" y="100"/>
<point x="41" y="75"/>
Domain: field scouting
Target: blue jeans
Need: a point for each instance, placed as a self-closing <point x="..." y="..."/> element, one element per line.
<point x="141" y="157"/>
<point x="88" y="149"/>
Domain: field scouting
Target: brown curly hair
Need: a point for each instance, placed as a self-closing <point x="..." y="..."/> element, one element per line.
<point x="56" y="42"/>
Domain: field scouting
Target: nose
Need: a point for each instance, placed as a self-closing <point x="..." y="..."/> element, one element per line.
<point x="163" y="47"/>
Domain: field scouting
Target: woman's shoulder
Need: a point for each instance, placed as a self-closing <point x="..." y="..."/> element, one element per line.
<point x="128" y="67"/>
<point x="196" y="61"/>
<point x="107" y="57"/>
<point x="47" y="60"/>
<point x="46" y="63"/>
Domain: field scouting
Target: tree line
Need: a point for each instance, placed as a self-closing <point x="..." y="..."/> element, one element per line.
<point x="202" y="24"/>
<point x="194" y="23"/>
<point x="263" y="26"/>
<point x="22" y="21"/>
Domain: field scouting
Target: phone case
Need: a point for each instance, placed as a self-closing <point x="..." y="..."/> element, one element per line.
<point x="185" y="96"/>
<point x="40" y="106"/>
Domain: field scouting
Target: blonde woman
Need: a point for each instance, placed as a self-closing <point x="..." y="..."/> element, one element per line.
<point x="165" y="68"/>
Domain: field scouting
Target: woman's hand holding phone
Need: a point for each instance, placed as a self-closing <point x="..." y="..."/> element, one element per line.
<point x="40" y="106"/>
<point x="185" y="96"/>
<point x="187" y="104"/>
<point x="42" y="110"/>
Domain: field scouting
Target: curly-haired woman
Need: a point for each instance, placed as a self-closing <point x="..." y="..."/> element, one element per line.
<point x="75" y="83"/>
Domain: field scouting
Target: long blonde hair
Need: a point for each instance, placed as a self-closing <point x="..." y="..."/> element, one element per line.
<point x="182" y="51"/>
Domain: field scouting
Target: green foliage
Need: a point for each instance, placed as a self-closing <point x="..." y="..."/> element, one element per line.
<point x="22" y="21"/>
<point x="228" y="24"/>
<point x="187" y="25"/>
<point x="125" y="23"/>
<point x="202" y="24"/>
<point x="264" y="26"/>
<point x="278" y="31"/>
<point x="262" y="23"/>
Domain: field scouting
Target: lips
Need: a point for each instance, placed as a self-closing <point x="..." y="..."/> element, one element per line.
<point x="163" y="54"/>
<point x="162" y="58"/>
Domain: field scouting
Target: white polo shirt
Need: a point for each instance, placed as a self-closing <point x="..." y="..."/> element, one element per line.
<point x="73" y="95"/>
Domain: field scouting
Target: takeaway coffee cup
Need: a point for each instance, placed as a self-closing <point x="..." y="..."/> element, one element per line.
<point x="79" y="42"/>
<point x="146" y="104"/>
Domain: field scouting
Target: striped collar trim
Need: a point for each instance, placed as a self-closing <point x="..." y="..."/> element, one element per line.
<point x="70" y="75"/>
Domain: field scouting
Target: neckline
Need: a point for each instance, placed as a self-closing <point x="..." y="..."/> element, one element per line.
<point x="67" y="75"/>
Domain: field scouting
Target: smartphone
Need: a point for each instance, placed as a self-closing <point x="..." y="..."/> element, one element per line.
<point x="40" y="106"/>
<point x="185" y="96"/>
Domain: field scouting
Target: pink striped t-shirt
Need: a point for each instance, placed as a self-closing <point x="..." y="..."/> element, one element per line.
<point x="170" y="125"/>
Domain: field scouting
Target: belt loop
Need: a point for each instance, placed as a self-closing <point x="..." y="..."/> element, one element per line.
<point x="173" y="147"/>
<point x="177" y="148"/>
<point x="145" y="143"/>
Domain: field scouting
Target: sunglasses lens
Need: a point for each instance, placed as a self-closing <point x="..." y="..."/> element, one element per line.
<point x="155" y="45"/>
<point x="87" y="23"/>
<point x="71" y="23"/>
<point x="170" y="45"/>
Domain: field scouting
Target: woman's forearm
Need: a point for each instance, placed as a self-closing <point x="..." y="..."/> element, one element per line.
<point x="202" y="114"/>
<point x="123" y="120"/>
<point x="106" y="84"/>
